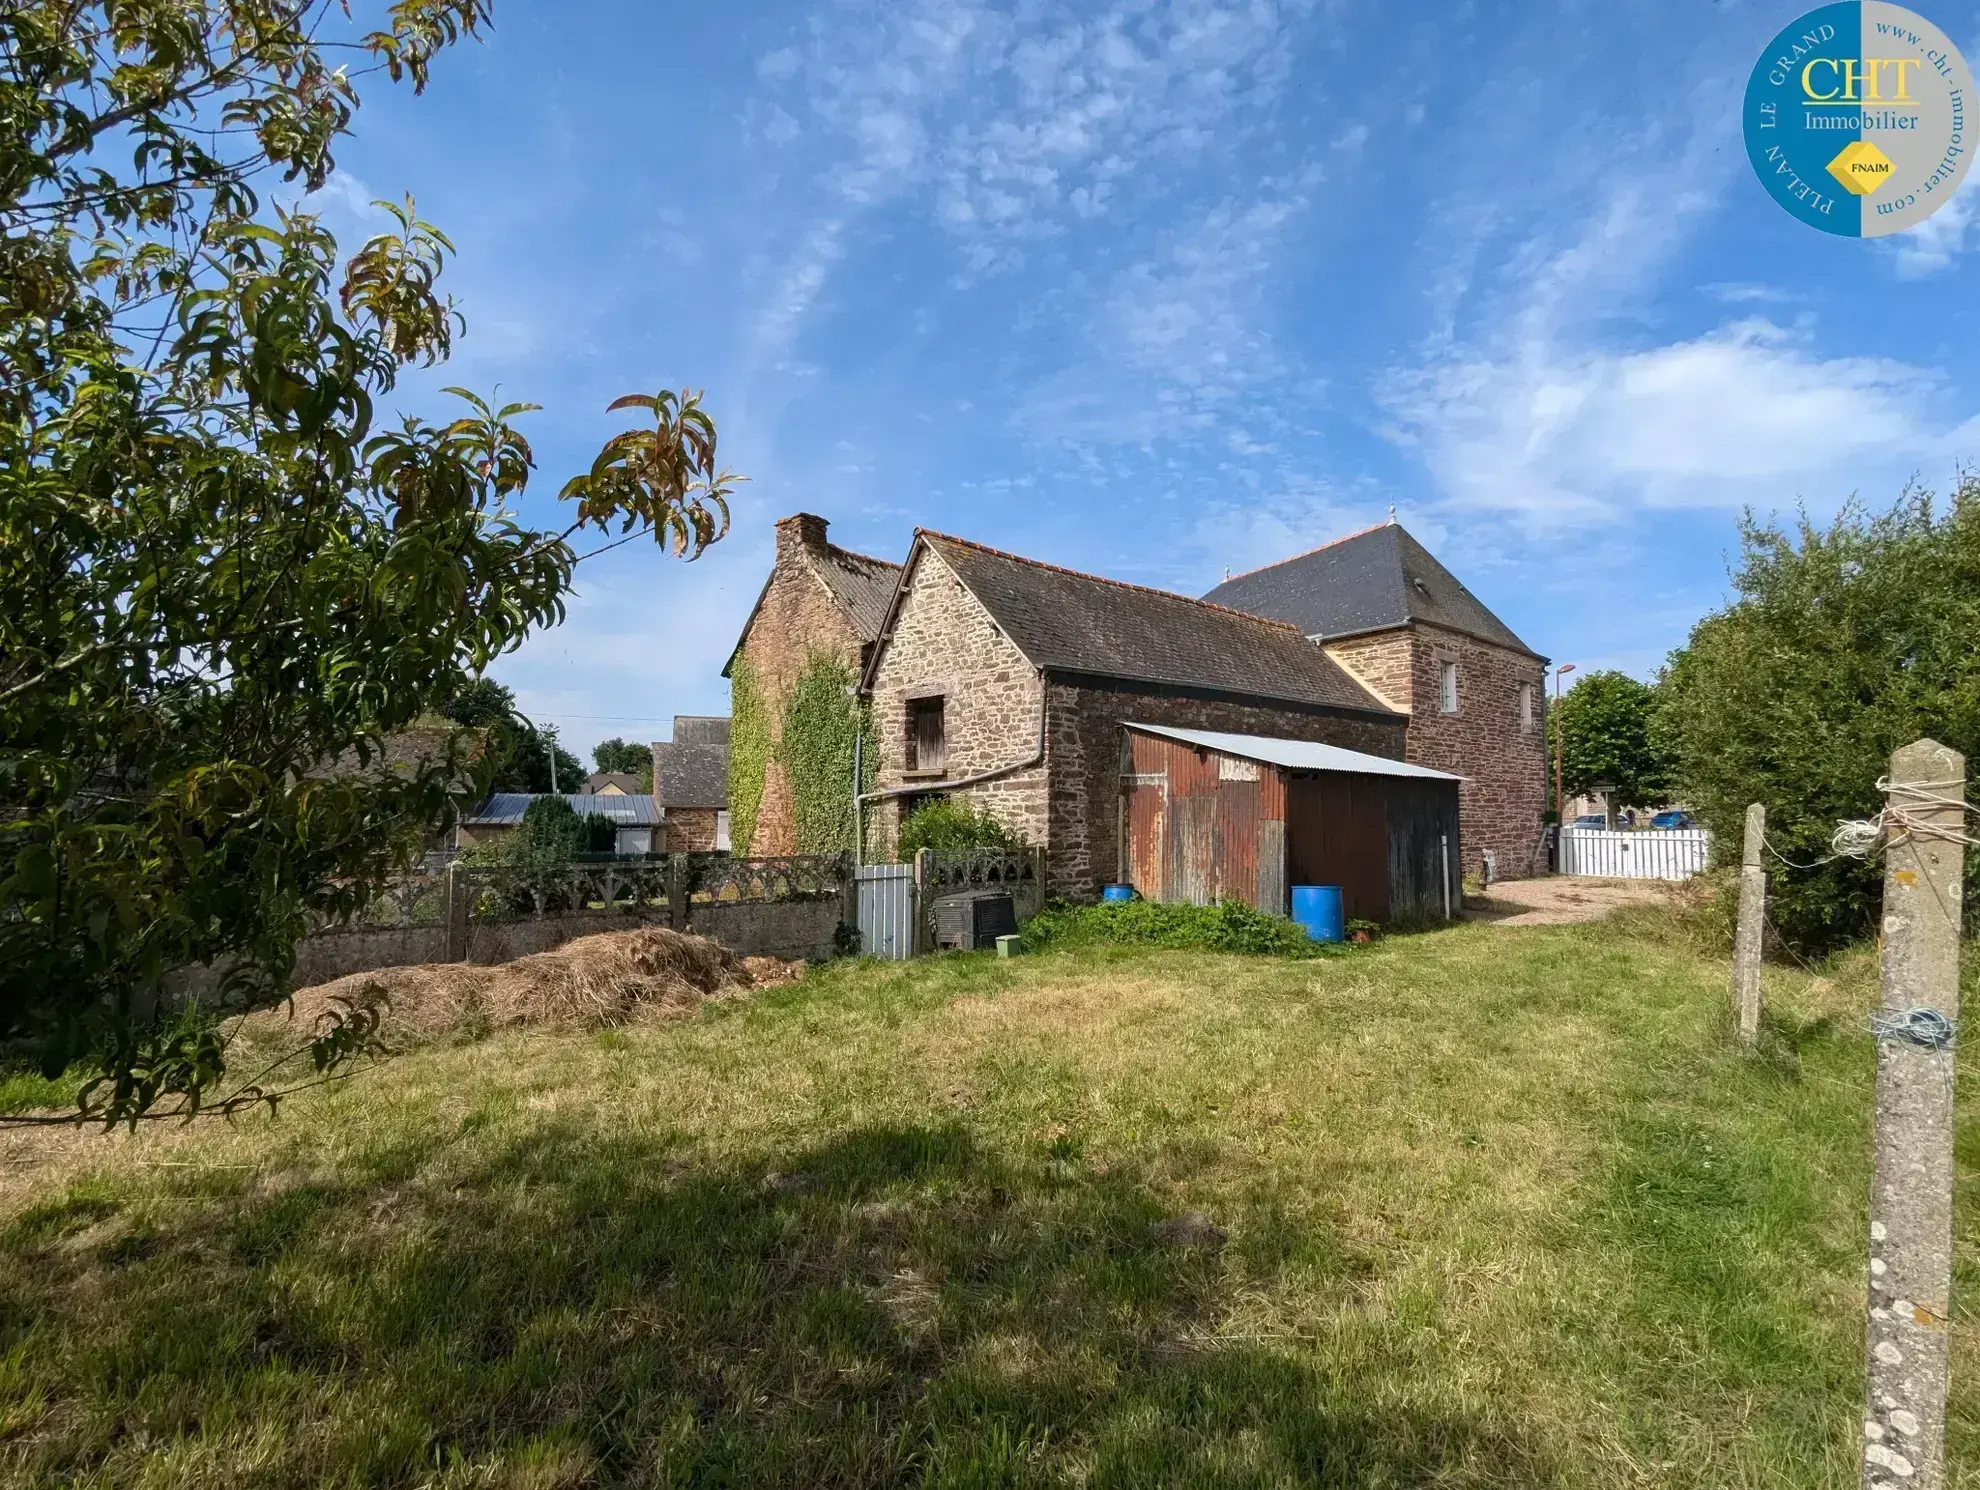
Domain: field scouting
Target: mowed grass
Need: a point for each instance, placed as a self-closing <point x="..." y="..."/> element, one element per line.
<point x="1501" y="1207"/>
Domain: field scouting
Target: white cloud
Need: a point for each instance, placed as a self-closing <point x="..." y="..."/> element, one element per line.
<point x="1932" y="246"/>
<point x="1746" y="413"/>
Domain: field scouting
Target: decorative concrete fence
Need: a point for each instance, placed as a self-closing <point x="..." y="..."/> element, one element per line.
<point x="896" y="902"/>
<point x="788" y="907"/>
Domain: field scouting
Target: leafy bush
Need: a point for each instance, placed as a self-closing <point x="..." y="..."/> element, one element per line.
<point x="1230" y="927"/>
<point x="1844" y="643"/>
<point x="951" y="827"/>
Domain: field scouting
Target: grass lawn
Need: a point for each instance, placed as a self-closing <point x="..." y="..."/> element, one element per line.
<point x="1499" y="1207"/>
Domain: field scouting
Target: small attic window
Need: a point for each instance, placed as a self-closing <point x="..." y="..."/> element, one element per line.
<point x="1421" y="587"/>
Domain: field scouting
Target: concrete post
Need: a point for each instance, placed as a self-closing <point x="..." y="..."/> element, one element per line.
<point x="924" y="914"/>
<point x="1911" y="1188"/>
<point x="1747" y="940"/>
<point x="849" y="889"/>
<point x="677" y="892"/>
<point x="458" y="891"/>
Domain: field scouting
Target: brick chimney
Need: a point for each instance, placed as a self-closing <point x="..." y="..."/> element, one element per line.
<point x="800" y="531"/>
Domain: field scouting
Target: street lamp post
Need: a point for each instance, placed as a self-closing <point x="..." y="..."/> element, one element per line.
<point x="1560" y="801"/>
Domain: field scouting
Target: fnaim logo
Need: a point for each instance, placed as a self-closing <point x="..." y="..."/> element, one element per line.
<point x="1857" y="118"/>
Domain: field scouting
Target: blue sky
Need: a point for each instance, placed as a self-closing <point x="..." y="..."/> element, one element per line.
<point x="1157" y="289"/>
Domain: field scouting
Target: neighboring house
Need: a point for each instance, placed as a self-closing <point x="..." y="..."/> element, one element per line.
<point x="614" y="784"/>
<point x="819" y="601"/>
<point x="691" y="784"/>
<point x="1382" y="607"/>
<point x="635" y="817"/>
<point x="1008" y="682"/>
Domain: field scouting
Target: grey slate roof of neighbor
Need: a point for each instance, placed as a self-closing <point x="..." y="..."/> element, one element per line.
<point x="625" y="781"/>
<point x="1296" y="755"/>
<point x="505" y="809"/>
<point x="1068" y="622"/>
<point x="1367" y="581"/>
<point x="691" y="775"/>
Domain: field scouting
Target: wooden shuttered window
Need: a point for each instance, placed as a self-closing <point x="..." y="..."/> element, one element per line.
<point x="927" y="746"/>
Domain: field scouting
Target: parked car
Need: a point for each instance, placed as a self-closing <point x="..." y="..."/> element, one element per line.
<point x="1677" y="817"/>
<point x="1590" y="820"/>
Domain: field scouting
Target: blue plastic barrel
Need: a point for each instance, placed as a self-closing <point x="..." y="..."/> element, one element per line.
<point x="1318" y="909"/>
<point x="1116" y="892"/>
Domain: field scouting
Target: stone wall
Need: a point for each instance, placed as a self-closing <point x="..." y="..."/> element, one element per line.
<point x="1504" y="764"/>
<point x="1083" y="753"/>
<point x="945" y="643"/>
<point x="1383" y="663"/>
<point x="690" y="830"/>
<point x="796" y="620"/>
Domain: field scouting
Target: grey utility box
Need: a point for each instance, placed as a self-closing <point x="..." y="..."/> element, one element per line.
<point x="973" y="919"/>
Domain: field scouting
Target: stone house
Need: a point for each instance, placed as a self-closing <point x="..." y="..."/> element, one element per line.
<point x="1379" y="604"/>
<point x="819" y="601"/>
<point x="691" y="785"/>
<point x="614" y="784"/>
<point x="1005" y="681"/>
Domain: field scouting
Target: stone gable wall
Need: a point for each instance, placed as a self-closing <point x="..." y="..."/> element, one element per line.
<point x="1083" y="752"/>
<point x="797" y="618"/>
<point x="1383" y="663"/>
<point x="946" y="643"/>
<point x="1504" y="766"/>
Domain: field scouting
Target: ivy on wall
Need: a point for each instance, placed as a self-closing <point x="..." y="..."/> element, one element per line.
<point x="822" y="720"/>
<point x="749" y="753"/>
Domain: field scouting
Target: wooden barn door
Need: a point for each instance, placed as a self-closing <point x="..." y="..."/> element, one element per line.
<point x="1337" y="833"/>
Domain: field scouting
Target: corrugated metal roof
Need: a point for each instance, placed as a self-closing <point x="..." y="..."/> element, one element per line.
<point x="1295" y="755"/>
<point x="507" y="808"/>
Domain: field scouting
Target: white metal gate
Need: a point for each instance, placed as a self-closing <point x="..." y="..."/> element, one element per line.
<point x="1643" y="854"/>
<point x="886" y="910"/>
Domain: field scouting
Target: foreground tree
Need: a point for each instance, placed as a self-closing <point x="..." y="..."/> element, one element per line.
<point x="1604" y="728"/>
<point x="225" y="582"/>
<point x="1844" y="643"/>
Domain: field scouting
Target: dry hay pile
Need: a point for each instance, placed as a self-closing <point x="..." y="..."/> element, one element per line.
<point x="594" y="982"/>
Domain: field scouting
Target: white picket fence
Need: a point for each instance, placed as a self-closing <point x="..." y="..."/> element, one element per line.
<point x="1644" y="854"/>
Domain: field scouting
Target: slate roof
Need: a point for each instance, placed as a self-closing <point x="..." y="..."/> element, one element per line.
<point x="1296" y="755"/>
<point x="1368" y="581"/>
<point x="1068" y="622"/>
<point x="505" y="809"/>
<point x="687" y="775"/>
<point x="862" y="585"/>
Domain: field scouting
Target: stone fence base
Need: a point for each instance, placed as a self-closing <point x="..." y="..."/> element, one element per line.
<point x="788" y="929"/>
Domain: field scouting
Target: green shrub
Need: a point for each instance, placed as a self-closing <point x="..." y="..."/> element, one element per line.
<point x="1844" y="643"/>
<point x="951" y="827"/>
<point x="1230" y="927"/>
